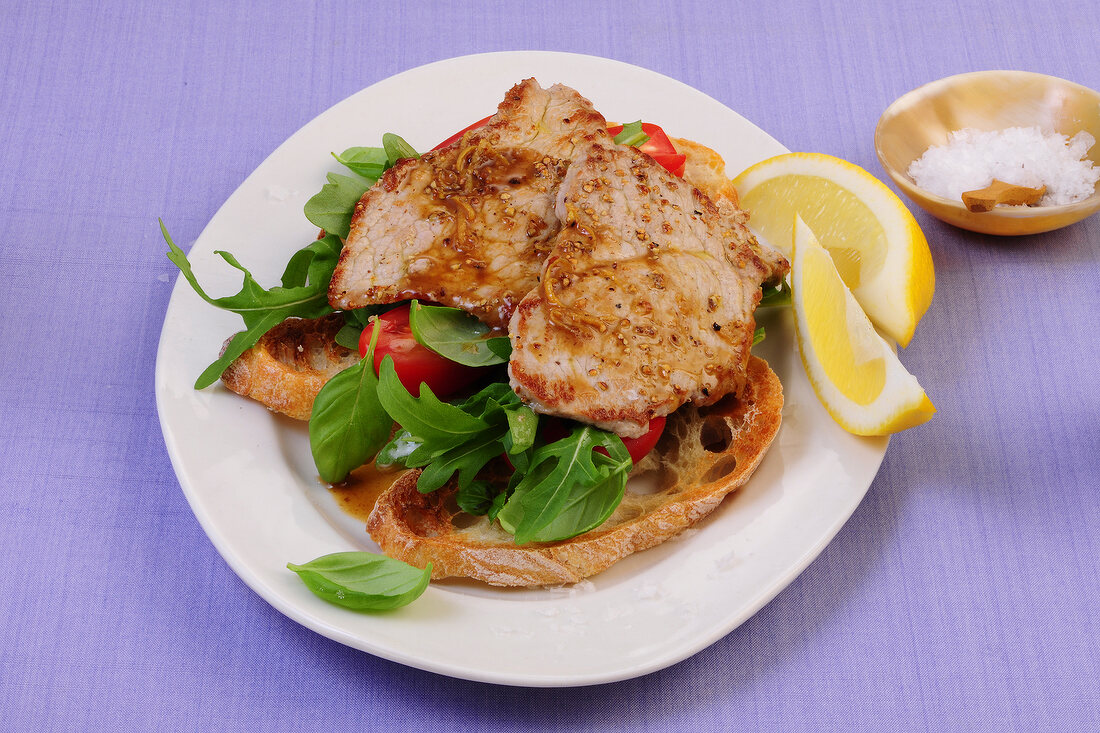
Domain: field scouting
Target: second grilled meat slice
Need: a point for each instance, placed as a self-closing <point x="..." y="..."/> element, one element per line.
<point x="646" y="299"/>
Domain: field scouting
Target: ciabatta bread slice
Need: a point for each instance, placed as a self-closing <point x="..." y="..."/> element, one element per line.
<point x="290" y="363"/>
<point x="704" y="454"/>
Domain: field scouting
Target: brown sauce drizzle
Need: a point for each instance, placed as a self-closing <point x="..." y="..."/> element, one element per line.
<point x="359" y="492"/>
<point x="470" y="194"/>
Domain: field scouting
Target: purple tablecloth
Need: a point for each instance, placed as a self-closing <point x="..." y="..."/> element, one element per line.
<point x="962" y="594"/>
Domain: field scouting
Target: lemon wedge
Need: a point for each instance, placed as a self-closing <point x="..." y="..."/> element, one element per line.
<point x="855" y="372"/>
<point x="877" y="246"/>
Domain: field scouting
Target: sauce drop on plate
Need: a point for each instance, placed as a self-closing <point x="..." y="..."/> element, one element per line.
<point x="358" y="494"/>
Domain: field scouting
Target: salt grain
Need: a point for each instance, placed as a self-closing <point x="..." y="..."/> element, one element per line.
<point x="1024" y="156"/>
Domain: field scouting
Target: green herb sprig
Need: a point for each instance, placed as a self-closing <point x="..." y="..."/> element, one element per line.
<point x="444" y="439"/>
<point x="568" y="488"/>
<point x="303" y="294"/>
<point x="632" y="134"/>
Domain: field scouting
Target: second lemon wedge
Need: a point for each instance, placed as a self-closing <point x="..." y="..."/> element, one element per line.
<point x="875" y="242"/>
<point x="855" y="372"/>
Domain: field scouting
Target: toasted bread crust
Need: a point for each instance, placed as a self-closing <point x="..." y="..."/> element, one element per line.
<point x="706" y="170"/>
<point x="706" y="453"/>
<point x="290" y="363"/>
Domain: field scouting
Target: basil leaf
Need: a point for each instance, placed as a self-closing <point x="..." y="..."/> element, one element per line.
<point x="569" y="488"/>
<point x="367" y="162"/>
<point x="348" y="336"/>
<point x="348" y="424"/>
<point x="454" y="334"/>
<point x="775" y="295"/>
<point x="396" y="149"/>
<point x="363" y="581"/>
<point x="501" y="346"/>
<point x="309" y="271"/>
<point x="632" y="134"/>
<point x="757" y="335"/>
<point x="356" y="320"/>
<point x="332" y="207"/>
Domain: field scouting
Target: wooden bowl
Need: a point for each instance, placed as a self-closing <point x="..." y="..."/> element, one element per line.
<point x="987" y="100"/>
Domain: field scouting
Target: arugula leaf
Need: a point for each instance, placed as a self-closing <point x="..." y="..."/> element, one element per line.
<point x="496" y="506"/>
<point x="426" y="417"/>
<point x="348" y="423"/>
<point x="476" y="498"/>
<point x="396" y="148"/>
<point x="367" y="162"/>
<point x="568" y="488"/>
<point x="481" y="498"/>
<point x="308" y="274"/>
<point x="313" y="263"/>
<point x="632" y="134"/>
<point x="775" y="295"/>
<point x="363" y="581"/>
<point x="457" y="335"/>
<point x="446" y="439"/>
<point x="332" y="207"/>
<point x="466" y="459"/>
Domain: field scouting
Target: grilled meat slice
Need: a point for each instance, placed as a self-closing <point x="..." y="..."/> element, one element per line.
<point x="469" y="225"/>
<point x="646" y="300"/>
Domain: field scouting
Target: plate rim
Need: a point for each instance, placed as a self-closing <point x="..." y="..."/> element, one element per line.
<point x="293" y="610"/>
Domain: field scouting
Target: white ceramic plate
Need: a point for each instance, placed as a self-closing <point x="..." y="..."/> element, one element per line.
<point x="250" y="479"/>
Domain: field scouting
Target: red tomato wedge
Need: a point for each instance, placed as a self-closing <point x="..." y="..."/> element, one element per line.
<point x="555" y="428"/>
<point x="658" y="147"/>
<point x="458" y="135"/>
<point x="413" y="362"/>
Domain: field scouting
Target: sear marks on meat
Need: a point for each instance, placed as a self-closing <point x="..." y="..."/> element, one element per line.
<point x="469" y="225"/>
<point x="646" y="299"/>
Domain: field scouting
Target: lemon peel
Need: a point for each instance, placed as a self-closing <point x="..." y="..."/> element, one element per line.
<point x="854" y="371"/>
<point x="876" y="244"/>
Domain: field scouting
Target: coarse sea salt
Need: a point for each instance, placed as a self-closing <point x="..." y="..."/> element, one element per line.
<point x="1023" y="156"/>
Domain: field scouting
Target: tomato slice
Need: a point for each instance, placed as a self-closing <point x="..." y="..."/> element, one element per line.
<point x="639" y="448"/>
<point x="462" y="132"/>
<point x="414" y="363"/>
<point x="674" y="164"/>
<point x="658" y="147"/>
